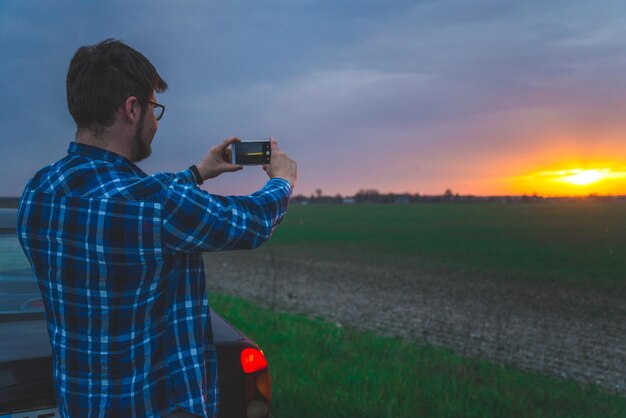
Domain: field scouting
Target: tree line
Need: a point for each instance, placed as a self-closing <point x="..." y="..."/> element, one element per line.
<point x="448" y="196"/>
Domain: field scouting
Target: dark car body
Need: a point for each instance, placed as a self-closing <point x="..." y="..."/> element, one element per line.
<point x="26" y="384"/>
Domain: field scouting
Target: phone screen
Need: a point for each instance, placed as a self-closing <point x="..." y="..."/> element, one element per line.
<point x="251" y="152"/>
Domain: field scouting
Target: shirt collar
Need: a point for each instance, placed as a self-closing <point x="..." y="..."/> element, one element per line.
<point x="96" y="153"/>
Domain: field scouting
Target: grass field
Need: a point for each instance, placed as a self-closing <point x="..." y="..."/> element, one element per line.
<point x="570" y="242"/>
<point x="321" y="370"/>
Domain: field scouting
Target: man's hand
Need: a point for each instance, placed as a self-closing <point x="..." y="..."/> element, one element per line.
<point x="218" y="160"/>
<point x="281" y="166"/>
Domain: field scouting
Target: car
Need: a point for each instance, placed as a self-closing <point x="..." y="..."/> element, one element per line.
<point x="26" y="383"/>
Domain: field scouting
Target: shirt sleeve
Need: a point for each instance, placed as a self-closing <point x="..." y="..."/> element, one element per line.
<point x="194" y="220"/>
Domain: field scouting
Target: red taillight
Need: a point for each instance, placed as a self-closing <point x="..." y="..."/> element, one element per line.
<point x="252" y="360"/>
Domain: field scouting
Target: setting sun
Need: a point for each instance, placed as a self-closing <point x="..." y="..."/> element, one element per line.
<point x="591" y="178"/>
<point x="586" y="177"/>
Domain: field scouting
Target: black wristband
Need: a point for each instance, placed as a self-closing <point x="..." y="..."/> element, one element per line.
<point x="196" y="174"/>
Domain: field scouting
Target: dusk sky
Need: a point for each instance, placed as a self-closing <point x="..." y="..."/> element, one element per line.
<point x="482" y="97"/>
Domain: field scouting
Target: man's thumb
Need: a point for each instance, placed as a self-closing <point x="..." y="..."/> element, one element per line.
<point x="273" y="145"/>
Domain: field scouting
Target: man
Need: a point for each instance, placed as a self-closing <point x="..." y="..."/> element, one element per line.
<point x="118" y="253"/>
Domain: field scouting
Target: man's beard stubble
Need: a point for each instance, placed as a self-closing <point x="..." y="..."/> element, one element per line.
<point x="141" y="150"/>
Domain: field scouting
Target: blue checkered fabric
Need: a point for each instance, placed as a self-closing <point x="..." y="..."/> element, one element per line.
<point x="118" y="258"/>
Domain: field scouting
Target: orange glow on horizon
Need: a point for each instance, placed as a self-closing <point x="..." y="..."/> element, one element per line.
<point x="571" y="164"/>
<point x="594" y="178"/>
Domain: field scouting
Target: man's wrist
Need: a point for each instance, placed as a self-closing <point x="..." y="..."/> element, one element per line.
<point x="284" y="181"/>
<point x="196" y="174"/>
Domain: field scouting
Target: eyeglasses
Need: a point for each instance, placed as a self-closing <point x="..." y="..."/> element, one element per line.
<point x="158" y="110"/>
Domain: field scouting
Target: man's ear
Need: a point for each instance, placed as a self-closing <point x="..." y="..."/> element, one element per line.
<point x="131" y="109"/>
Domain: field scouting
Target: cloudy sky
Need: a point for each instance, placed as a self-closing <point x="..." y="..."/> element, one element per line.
<point x="482" y="97"/>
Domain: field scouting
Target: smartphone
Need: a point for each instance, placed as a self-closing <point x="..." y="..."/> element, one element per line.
<point x="251" y="152"/>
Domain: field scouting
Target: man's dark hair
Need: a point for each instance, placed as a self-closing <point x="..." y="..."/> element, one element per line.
<point x="102" y="76"/>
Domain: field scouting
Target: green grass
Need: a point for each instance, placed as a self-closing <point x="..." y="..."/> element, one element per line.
<point x="564" y="242"/>
<point x="321" y="370"/>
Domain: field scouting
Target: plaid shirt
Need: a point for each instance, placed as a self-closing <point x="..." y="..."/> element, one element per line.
<point x="118" y="258"/>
